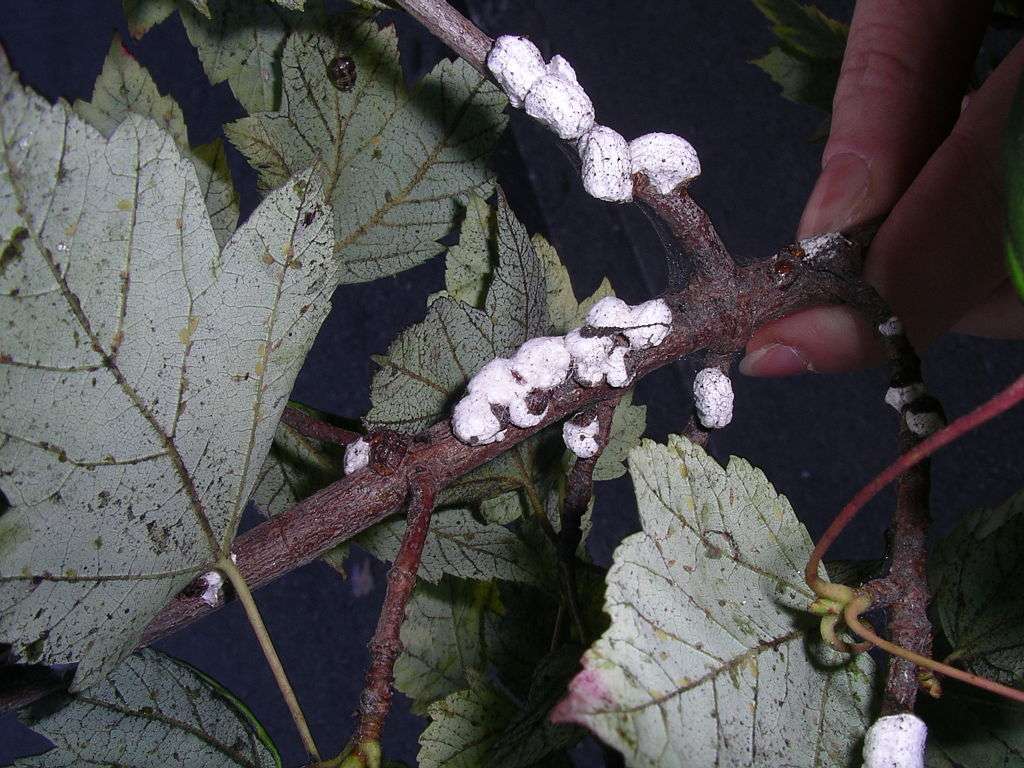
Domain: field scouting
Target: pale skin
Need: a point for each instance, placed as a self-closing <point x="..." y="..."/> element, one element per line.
<point x="900" y="144"/>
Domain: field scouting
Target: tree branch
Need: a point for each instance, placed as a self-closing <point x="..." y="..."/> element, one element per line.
<point x="705" y="314"/>
<point x="308" y="425"/>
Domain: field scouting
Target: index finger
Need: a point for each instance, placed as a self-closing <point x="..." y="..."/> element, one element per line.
<point x="906" y="68"/>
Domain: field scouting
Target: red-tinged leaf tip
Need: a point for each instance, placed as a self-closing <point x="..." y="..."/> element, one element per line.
<point x="587" y="695"/>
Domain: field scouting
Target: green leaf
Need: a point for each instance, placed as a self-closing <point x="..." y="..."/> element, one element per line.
<point x="202" y="6"/>
<point x="806" y="63"/>
<point x="240" y="41"/>
<point x="471" y="262"/>
<point x="445" y="637"/>
<point x="142" y="375"/>
<point x="152" y="710"/>
<point x="395" y="162"/>
<point x="297" y="466"/>
<point x="1012" y="8"/>
<point x="804" y="29"/>
<point x="802" y="80"/>
<point x="217" y="189"/>
<point x="628" y="424"/>
<point x="463" y="726"/>
<point x="468" y="727"/>
<point x="1013" y="161"/>
<point x="457" y="545"/>
<point x="430" y="363"/>
<point x="143" y="15"/>
<point x="969" y="729"/>
<point x="564" y="310"/>
<point x="124" y="87"/>
<point x="531" y="738"/>
<point x="975" y="575"/>
<point x="709" y="659"/>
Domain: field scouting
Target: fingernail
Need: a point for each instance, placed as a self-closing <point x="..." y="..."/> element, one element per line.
<point x="839" y="198"/>
<point x="774" y="360"/>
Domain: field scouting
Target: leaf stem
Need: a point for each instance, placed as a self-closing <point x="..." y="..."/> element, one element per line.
<point x="851" y="616"/>
<point x="226" y="566"/>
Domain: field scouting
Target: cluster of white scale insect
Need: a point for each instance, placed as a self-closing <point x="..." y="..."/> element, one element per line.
<point x="551" y="95"/>
<point x="597" y="353"/>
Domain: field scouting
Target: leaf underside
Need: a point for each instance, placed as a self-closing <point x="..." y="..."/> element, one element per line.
<point x="975" y="575"/>
<point x="141" y="373"/>
<point x="394" y="161"/>
<point x="153" y="710"/>
<point x="709" y="660"/>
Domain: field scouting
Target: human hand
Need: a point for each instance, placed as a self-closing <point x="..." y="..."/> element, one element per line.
<point x="899" y="141"/>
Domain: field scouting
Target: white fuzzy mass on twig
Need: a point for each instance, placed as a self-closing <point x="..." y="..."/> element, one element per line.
<point x="551" y="94"/>
<point x="357" y="455"/>
<point x="713" y="398"/>
<point x="214" y="585"/>
<point x="606" y="166"/>
<point x="516" y="64"/>
<point x="667" y="160"/>
<point x="560" y="104"/>
<point x="514" y="388"/>
<point x="896" y="741"/>
<point x="581" y="439"/>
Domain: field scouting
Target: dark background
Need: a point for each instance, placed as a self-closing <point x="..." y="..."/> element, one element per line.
<point x="649" y="65"/>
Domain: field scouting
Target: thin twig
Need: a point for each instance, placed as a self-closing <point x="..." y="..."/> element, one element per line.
<point x="308" y="425"/>
<point x="386" y="645"/>
<point x="252" y="613"/>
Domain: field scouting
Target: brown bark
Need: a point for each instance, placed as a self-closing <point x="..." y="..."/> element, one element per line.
<point x="375" y="701"/>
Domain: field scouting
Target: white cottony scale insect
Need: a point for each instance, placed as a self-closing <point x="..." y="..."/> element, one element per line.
<point x="899" y="397"/>
<point x="895" y="741"/>
<point x="925" y="423"/>
<point x="559" y="66"/>
<point x="665" y="159"/>
<point x="516" y="64"/>
<point x="645" y="325"/>
<point x="607" y="171"/>
<point x="593" y="356"/>
<point x="542" y="362"/>
<point x="891" y="327"/>
<point x="357" y="455"/>
<point x="560" y="104"/>
<point x="474" y="422"/>
<point x="713" y="398"/>
<point x="818" y="245"/>
<point x="212" y="593"/>
<point x="581" y="439"/>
